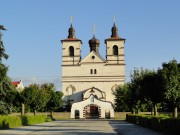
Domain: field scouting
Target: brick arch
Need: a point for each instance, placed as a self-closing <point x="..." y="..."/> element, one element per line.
<point x="85" y="110"/>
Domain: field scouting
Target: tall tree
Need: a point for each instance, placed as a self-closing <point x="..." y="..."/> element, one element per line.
<point x="135" y="92"/>
<point x="43" y="97"/>
<point x="121" y="98"/>
<point x="55" y="102"/>
<point x="29" y="94"/>
<point x="37" y="96"/>
<point x="152" y="88"/>
<point x="171" y="83"/>
<point x="5" y="82"/>
<point x="3" y="68"/>
<point x="2" y="49"/>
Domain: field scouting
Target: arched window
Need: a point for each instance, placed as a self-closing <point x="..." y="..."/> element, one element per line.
<point x="95" y="71"/>
<point x="71" y="51"/>
<point x="91" y="71"/>
<point x="115" y="50"/>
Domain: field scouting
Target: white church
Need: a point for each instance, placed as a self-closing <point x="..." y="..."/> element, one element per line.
<point x="90" y="82"/>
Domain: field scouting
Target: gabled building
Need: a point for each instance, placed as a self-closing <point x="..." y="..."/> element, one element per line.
<point x="90" y="82"/>
<point x="18" y="85"/>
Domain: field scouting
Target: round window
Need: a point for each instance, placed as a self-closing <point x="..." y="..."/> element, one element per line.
<point x="93" y="57"/>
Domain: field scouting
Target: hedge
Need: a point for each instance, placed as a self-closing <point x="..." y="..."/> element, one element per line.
<point x="16" y="121"/>
<point x="159" y="123"/>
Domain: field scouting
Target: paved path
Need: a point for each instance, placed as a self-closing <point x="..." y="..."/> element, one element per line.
<point x="81" y="127"/>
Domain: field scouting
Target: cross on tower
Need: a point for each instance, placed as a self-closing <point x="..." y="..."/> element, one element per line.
<point x="94" y="29"/>
<point x="71" y="19"/>
<point x="114" y="18"/>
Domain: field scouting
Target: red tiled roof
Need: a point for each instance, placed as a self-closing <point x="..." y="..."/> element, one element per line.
<point x="15" y="83"/>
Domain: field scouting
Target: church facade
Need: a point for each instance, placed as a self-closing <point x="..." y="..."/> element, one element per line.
<point x="90" y="83"/>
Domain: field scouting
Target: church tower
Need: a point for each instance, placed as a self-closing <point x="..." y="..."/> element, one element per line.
<point x="115" y="48"/>
<point x="71" y="49"/>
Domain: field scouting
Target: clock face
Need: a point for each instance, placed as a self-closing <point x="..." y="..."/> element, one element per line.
<point x="93" y="57"/>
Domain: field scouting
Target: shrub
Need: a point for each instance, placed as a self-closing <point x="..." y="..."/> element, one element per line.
<point x="145" y="120"/>
<point x="10" y="121"/>
<point x="133" y="118"/>
<point x="28" y="120"/>
<point x="16" y="121"/>
<point x="160" y="123"/>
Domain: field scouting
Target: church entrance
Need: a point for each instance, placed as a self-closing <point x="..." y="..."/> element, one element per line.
<point x="92" y="111"/>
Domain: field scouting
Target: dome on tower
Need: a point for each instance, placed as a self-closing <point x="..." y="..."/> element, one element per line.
<point x="94" y="41"/>
<point x="94" y="44"/>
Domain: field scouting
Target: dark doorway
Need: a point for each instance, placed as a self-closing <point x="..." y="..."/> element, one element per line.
<point x="92" y="112"/>
<point x="76" y="114"/>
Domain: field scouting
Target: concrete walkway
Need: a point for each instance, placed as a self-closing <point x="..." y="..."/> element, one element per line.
<point x="81" y="127"/>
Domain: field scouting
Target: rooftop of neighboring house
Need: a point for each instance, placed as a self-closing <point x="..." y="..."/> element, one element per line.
<point x="16" y="83"/>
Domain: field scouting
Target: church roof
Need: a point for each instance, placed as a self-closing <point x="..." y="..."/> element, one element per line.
<point x="95" y="99"/>
<point x="93" y="57"/>
<point x="71" y="39"/>
<point x="114" y="39"/>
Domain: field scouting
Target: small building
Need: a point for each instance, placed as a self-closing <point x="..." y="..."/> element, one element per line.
<point x="90" y="83"/>
<point x="18" y="85"/>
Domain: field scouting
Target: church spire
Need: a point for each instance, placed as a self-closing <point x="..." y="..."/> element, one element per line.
<point x="71" y="30"/>
<point x="114" y="31"/>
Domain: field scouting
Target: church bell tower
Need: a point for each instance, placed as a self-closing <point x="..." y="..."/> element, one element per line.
<point x="71" y="48"/>
<point x="115" y="48"/>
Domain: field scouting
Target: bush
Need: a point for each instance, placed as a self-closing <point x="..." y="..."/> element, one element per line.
<point x="16" y="121"/>
<point x="29" y="120"/>
<point x="159" y="123"/>
<point x="132" y="118"/>
<point x="145" y="120"/>
<point x="10" y="121"/>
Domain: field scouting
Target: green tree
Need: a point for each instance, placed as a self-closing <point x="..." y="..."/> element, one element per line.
<point x="3" y="76"/>
<point x="3" y="68"/>
<point x="42" y="99"/>
<point x="29" y="95"/>
<point x="152" y="88"/>
<point x="5" y="82"/>
<point x="37" y="96"/>
<point x="171" y="83"/>
<point x="135" y="93"/>
<point x="55" y="102"/>
<point x="12" y="97"/>
<point x="121" y="98"/>
<point x="2" y="49"/>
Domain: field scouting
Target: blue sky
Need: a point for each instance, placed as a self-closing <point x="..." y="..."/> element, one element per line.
<point x="35" y="28"/>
